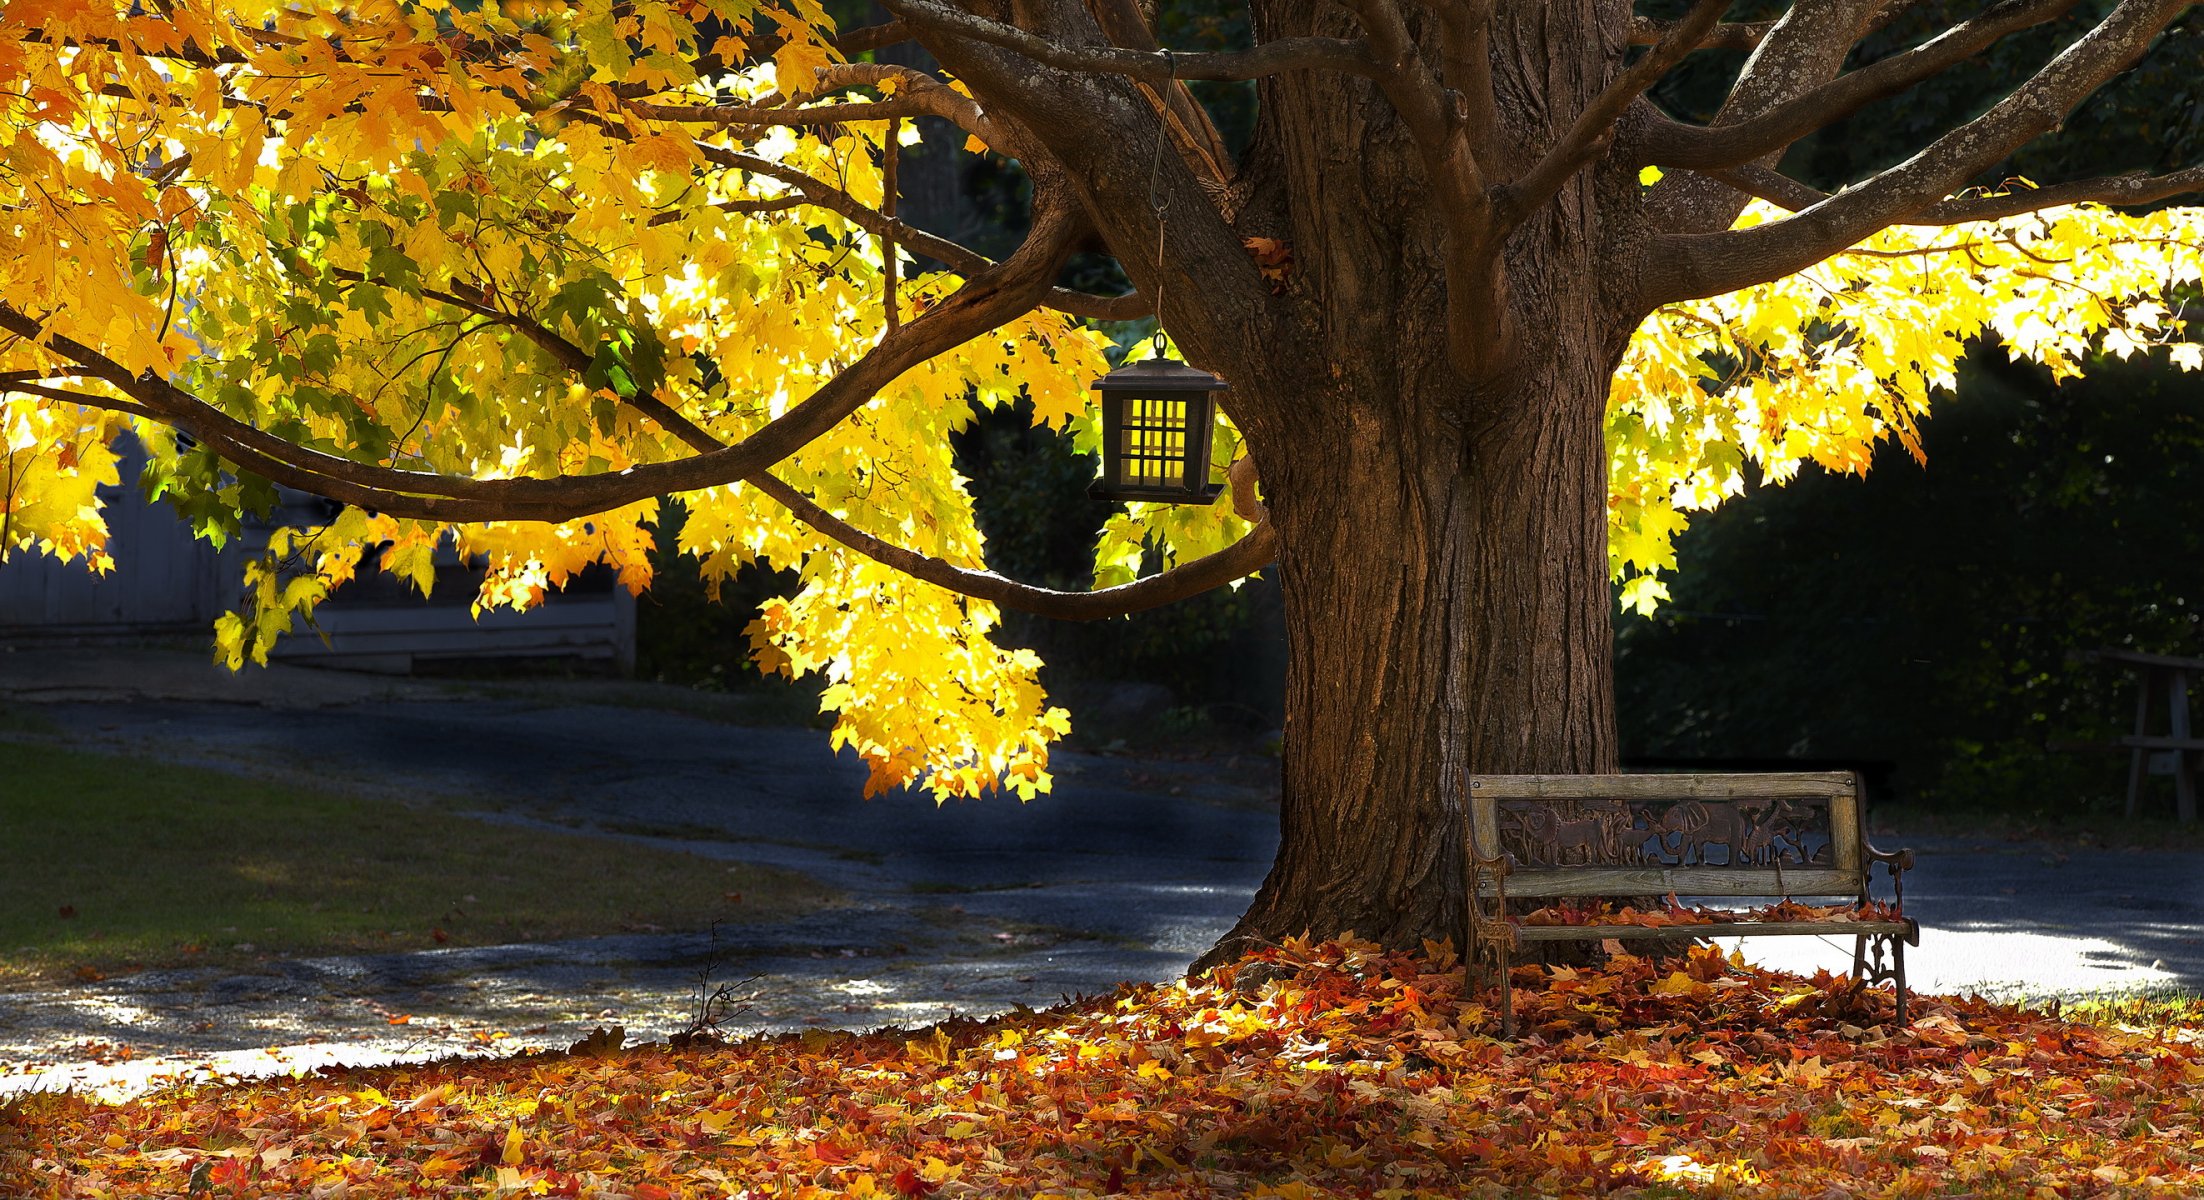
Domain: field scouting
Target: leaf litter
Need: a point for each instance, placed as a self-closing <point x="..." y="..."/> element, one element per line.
<point x="1311" y="1069"/>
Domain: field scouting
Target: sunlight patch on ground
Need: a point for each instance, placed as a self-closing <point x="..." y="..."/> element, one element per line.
<point x="114" y="1082"/>
<point x="1993" y="962"/>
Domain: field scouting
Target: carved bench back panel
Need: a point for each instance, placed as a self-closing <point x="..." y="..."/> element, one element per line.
<point x="1704" y="834"/>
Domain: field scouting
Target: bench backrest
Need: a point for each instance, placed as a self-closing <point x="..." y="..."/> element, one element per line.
<point x="1793" y="834"/>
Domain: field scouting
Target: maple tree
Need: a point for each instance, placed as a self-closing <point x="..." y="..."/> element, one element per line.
<point x="1304" y="1070"/>
<point x="519" y="275"/>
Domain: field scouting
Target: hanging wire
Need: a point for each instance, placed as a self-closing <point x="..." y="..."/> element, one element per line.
<point x="1157" y="203"/>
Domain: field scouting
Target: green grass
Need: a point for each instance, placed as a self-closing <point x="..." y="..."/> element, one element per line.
<point x="2143" y="1010"/>
<point x="113" y="864"/>
<point x="23" y="719"/>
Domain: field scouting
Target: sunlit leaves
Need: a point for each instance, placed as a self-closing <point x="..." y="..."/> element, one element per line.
<point x="1825" y="365"/>
<point x="467" y="240"/>
<point x="1303" y="1071"/>
<point x="437" y="238"/>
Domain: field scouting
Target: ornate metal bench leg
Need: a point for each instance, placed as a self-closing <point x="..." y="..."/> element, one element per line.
<point x="1859" y="959"/>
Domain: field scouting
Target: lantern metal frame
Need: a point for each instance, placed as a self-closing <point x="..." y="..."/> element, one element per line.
<point x="1158" y="416"/>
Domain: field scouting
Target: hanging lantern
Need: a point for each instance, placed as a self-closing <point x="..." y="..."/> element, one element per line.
<point x="1156" y="420"/>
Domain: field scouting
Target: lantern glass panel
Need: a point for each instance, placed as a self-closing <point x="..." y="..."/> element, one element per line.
<point x="1155" y="441"/>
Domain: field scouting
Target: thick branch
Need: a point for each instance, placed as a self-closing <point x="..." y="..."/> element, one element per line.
<point x="2122" y="190"/>
<point x="917" y="94"/>
<point x="1594" y="128"/>
<point x="1244" y="557"/>
<point x="1805" y="48"/>
<point x="982" y="304"/>
<point x="1729" y="35"/>
<point x="1465" y="63"/>
<point x="872" y="37"/>
<point x="1123" y="23"/>
<point x="1671" y="144"/>
<point x="755" y="114"/>
<point x="1687" y="266"/>
<point x="89" y="401"/>
<point x="1478" y="336"/>
<point x="1271" y="58"/>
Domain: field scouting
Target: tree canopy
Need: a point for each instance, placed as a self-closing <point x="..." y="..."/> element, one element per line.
<point x="520" y="274"/>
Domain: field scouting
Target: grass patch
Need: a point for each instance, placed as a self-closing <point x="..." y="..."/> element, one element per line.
<point x="113" y="864"/>
<point x="23" y="719"/>
<point x="2143" y="1010"/>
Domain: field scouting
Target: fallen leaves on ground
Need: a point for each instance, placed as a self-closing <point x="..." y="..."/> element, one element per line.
<point x="1310" y="1070"/>
<point x="1675" y="912"/>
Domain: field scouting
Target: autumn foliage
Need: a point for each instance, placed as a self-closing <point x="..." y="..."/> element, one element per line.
<point x="1330" y="1069"/>
<point x="517" y="278"/>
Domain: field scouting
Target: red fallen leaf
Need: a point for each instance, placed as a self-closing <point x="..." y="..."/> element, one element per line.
<point x="89" y="974"/>
<point x="68" y="911"/>
<point x="651" y="1191"/>
<point x="229" y="1173"/>
<point x="1116" y="1182"/>
<point x="1630" y="1136"/>
<point x="439" y="935"/>
<point x="401" y="1019"/>
<point x="907" y="1182"/>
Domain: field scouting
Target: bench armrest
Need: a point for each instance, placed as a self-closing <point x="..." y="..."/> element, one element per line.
<point x="1895" y="863"/>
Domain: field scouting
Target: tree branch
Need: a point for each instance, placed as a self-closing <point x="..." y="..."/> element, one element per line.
<point x="956" y="256"/>
<point x="1805" y="47"/>
<point x="1244" y="557"/>
<point x="1271" y="58"/>
<point x="1123" y="23"/>
<point x="1465" y="64"/>
<point x="917" y="94"/>
<point x="1673" y="144"/>
<point x="1688" y="266"/>
<point x="87" y="400"/>
<point x="1248" y="555"/>
<point x="1479" y="337"/>
<point x="1730" y="35"/>
<point x="872" y="37"/>
<point x="1594" y="128"/>
<point x="2119" y="190"/>
<point x="982" y="304"/>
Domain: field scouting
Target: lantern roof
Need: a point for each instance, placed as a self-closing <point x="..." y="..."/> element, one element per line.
<point x="1152" y="375"/>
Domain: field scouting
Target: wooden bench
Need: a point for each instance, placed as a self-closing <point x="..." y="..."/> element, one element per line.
<point x="1770" y="837"/>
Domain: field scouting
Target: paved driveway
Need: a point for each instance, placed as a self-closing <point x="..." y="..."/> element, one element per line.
<point x="1126" y="871"/>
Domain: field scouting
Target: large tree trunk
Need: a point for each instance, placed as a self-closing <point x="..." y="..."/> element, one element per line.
<point x="1447" y="612"/>
<point x="1442" y="512"/>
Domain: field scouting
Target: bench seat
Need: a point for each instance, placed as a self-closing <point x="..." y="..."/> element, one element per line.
<point x="1586" y="933"/>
